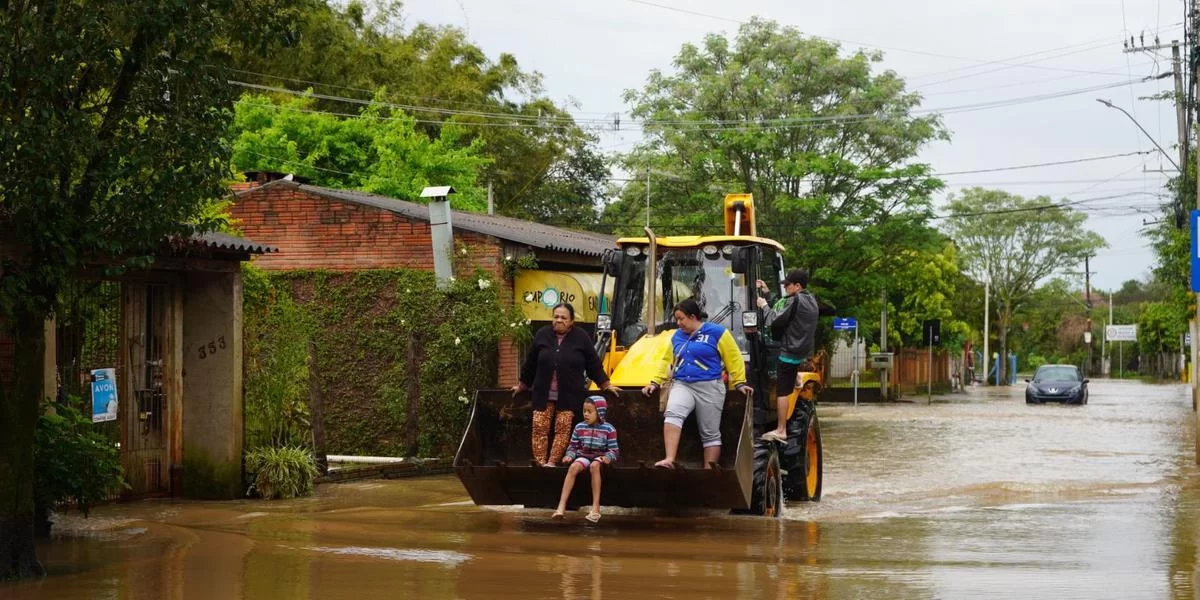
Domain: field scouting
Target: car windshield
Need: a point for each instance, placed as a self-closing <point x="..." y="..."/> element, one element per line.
<point x="1057" y="374"/>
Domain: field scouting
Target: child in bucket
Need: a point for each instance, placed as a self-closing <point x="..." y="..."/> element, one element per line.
<point x="593" y="444"/>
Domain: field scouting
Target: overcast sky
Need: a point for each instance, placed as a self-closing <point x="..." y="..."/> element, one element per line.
<point x="589" y="52"/>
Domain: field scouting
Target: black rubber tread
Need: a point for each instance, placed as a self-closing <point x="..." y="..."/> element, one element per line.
<point x="764" y="501"/>
<point x="795" y="486"/>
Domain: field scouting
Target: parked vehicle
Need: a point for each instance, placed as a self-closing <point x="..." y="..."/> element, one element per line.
<point x="1057" y="383"/>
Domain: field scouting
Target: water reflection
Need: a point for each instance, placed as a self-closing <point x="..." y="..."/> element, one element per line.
<point x="983" y="497"/>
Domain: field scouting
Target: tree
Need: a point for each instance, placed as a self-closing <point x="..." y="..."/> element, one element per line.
<point x="1015" y="243"/>
<point x="541" y="163"/>
<point x="825" y="144"/>
<point x="1160" y="328"/>
<point x="378" y="151"/>
<point x="114" y="117"/>
<point x="921" y="291"/>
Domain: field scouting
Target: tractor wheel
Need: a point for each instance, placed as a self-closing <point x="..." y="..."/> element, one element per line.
<point x="804" y="480"/>
<point x="766" y="489"/>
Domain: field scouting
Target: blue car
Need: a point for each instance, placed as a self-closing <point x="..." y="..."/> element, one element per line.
<point x="1057" y="383"/>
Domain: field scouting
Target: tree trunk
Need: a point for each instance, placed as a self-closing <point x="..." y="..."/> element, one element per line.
<point x="1002" y="370"/>
<point x="412" y="423"/>
<point x="20" y="399"/>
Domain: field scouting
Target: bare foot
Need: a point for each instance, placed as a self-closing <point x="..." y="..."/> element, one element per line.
<point x="664" y="464"/>
<point x="558" y="514"/>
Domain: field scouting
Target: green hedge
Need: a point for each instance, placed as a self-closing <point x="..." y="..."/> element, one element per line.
<point x="361" y="324"/>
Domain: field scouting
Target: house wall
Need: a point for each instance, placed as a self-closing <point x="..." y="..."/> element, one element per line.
<point x="212" y="385"/>
<point x="315" y="232"/>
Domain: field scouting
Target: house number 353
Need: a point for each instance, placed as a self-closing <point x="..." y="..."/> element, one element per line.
<point x="209" y="349"/>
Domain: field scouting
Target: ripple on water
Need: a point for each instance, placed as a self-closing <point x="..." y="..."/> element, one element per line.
<point x="447" y="558"/>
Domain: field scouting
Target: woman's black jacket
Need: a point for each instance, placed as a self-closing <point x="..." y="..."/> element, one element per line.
<point x="574" y="358"/>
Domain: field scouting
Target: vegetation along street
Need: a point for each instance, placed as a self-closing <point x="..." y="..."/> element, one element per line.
<point x="342" y="298"/>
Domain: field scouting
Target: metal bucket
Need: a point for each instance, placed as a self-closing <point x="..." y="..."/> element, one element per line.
<point x="495" y="460"/>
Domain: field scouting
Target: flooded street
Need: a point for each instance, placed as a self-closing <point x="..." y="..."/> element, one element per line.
<point x="974" y="496"/>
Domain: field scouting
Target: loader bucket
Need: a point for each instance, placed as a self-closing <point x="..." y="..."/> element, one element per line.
<point x="494" y="461"/>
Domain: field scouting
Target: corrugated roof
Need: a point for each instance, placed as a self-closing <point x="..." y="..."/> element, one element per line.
<point x="224" y="241"/>
<point x="506" y="228"/>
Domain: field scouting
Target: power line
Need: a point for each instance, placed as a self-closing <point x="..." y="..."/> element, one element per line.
<point x="1015" y="83"/>
<point x="1093" y="43"/>
<point x="694" y="125"/>
<point x="1045" y="164"/>
<point x="994" y="170"/>
<point x="845" y="41"/>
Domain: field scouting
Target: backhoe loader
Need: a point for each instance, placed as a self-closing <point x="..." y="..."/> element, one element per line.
<point x="651" y="274"/>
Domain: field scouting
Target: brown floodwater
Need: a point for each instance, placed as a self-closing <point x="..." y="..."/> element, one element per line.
<point x="974" y="496"/>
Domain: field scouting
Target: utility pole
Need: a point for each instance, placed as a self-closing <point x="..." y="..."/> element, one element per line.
<point x="987" y="358"/>
<point x="647" y="197"/>
<point x="885" y="379"/>
<point x="1180" y="103"/>
<point x="1087" y="334"/>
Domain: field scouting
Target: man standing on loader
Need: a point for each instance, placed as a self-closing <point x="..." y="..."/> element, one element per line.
<point x="793" y="322"/>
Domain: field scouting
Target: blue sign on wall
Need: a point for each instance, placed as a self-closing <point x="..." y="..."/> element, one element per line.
<point x="845" y="323"/>
<point x="1195" y="253"/>
<point x="104" y="395"/>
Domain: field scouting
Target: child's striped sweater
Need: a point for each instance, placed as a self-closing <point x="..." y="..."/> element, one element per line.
<point x="593" y="441"/>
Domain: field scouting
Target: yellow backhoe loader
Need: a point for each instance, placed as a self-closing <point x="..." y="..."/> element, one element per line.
<point x="651" y="274"/>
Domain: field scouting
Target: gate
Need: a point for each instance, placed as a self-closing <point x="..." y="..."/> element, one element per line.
<point x="127" y="326"/>
<point x="145" y="417"/>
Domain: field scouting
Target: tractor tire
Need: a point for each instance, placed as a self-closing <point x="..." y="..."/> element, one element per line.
<point x="804" y="477"/>
<point x="766" y="488"/>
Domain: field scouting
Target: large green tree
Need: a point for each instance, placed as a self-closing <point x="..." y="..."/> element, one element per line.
<point x="542" y="164"/>
<point x="378" y="151"/>
<point x="114" y="118"/>
<point x="824" y="140"/>
<point x="1015" y="243"/>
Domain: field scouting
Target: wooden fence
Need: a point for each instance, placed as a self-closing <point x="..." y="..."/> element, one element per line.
<point x="913" y="370"/>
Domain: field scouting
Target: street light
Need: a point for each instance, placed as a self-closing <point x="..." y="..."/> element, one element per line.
<point x="1139" y="126"/>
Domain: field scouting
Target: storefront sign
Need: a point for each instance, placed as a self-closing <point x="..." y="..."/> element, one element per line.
<point x="537" y="292"/>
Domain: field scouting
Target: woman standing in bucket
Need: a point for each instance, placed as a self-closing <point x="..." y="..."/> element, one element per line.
<point x="559" y="357"/>
<point x="700" y="351"/>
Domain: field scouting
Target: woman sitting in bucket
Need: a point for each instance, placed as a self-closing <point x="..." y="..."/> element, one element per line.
<point x="593" y="444"/>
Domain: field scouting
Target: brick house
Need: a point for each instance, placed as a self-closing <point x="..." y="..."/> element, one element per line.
<point x="321" y="228"/>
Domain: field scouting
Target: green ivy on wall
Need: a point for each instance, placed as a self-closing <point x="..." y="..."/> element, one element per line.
<point x="365" y="326"/>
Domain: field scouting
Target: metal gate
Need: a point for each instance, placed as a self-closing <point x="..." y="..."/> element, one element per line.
<point x="145" y="422"/>
<point x="87" y="337"/>
<point x="123" y="325"/>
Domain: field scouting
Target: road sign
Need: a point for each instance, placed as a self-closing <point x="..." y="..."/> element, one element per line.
<point x="932" y="331"/>
<point x="1120" y="333"/>
<point x="845" y="323"/>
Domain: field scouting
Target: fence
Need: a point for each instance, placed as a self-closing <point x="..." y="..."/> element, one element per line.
<point x="914" y="369"/>
<point x="1160" y="365"/>
<point x="911" y="372"/>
